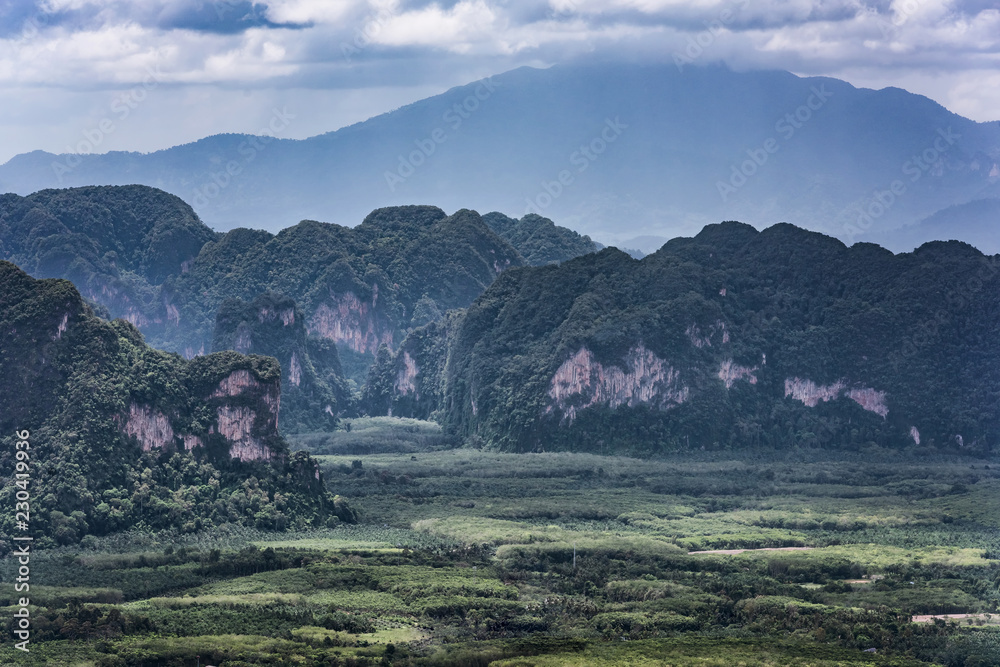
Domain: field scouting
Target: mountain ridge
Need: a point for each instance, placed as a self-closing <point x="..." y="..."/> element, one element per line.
<point x="144" y="255"/>
<point x="733" y="338"/>
<point x="697" y="128"/>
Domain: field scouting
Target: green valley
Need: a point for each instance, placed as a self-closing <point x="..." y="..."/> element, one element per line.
<point x="476" y="557"/>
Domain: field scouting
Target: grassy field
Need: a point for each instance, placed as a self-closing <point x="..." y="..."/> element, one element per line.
<point x="467" y="557"/>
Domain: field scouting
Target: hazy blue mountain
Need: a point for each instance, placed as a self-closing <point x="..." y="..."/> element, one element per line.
<point x="976" y="222"/>
<point x="612" y="151"/>
<point x="116" y="244"/>
<point x="539" y="240"/>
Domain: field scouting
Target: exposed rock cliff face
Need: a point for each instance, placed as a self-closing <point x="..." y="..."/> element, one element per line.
<point x="242" y="382"/>
<point x="582" y="382"/>
<point x="246" y="409"/>
<point x="173" y="315"/>
<point x="406" y="376"/>
<point x="244" y="342"/>
<point x="236" y="424"/>
<point x="62" y="326"/>
<point x="135" y="318"/>
<point x="730" y="372"/>
<point x="191" y="353"/>
<point x="343" y="318"/>
<point x="150" y="427"/>
<point x="314" y="391"/>
<point x="246" y="417"/>
<point x="811" y="394"/>
<point x="295" y="371"/>
<point x="704" y="338"/>
<point x="870" y="399"/>
<point x="268" y="314"/>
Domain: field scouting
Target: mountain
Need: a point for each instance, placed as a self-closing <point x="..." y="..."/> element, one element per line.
<point x="319" y="297"/>
<point x="611" y="150"/>
<point x="120" y="435"/>
<point x="976" y="222"/>
<point x="116" y="244"/>
<point x="731" y="339"/>
<point x="313" y="389"/>
<point x="358" y="287"/>
<point x="539" y="240"/>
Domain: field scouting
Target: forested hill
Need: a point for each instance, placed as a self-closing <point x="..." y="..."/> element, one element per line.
<point x="116" y="244"/>
<point x="144" y="256"/>
<point x="358" y="287"/>
<point x="122" y="435"/>
<point x="734" y="338"/>
<point x="539" y="240"/>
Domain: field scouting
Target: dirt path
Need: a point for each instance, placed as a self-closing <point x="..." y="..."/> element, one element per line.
<point x="929" y="618"/>
<point x="732" y="552"/>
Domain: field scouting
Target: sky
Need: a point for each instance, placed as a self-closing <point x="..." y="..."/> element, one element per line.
<point x="100" y="75"/>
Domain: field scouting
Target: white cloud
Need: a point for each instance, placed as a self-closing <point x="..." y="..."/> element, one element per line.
<point x="311" y="11"/>
<point x="975" y="94"/>
<point x="467" y="26"/>
<point x="946" y="49"/>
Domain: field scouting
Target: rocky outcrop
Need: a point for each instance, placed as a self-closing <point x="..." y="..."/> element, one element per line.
<point x="582" y="382"/>
<point x="191" y="353"/>
<point x="173" y="315"/>
<point x="294" y="371"/>
<point x="61" y="327"/>
<point x="704" y="338"/>
<point x="406" y="376"/>
<point x="811" y="394"/>
<point x="870" y="399"/>
<point x="286" y="315"/>
<point x="244" y="339"/>
<point x="150" y="427"/>
<point x="730" y="372"/>
<point x="243" y="383"/>
<point x="238" y="426"/>
<point x="136" y="318"/>
<point x="344" y="318"/>
<point x="235" y="384"/>
<point x="246" y="416"/>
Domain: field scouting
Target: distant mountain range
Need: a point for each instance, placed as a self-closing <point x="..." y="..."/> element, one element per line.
<point x="613" y="151"/>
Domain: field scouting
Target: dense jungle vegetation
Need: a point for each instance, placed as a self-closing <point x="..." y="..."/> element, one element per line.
<point x="471" y="557"/>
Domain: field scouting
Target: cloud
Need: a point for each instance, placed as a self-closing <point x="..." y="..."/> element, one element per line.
<point x="311" y="12"/>
<point x="946" y="49"/>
